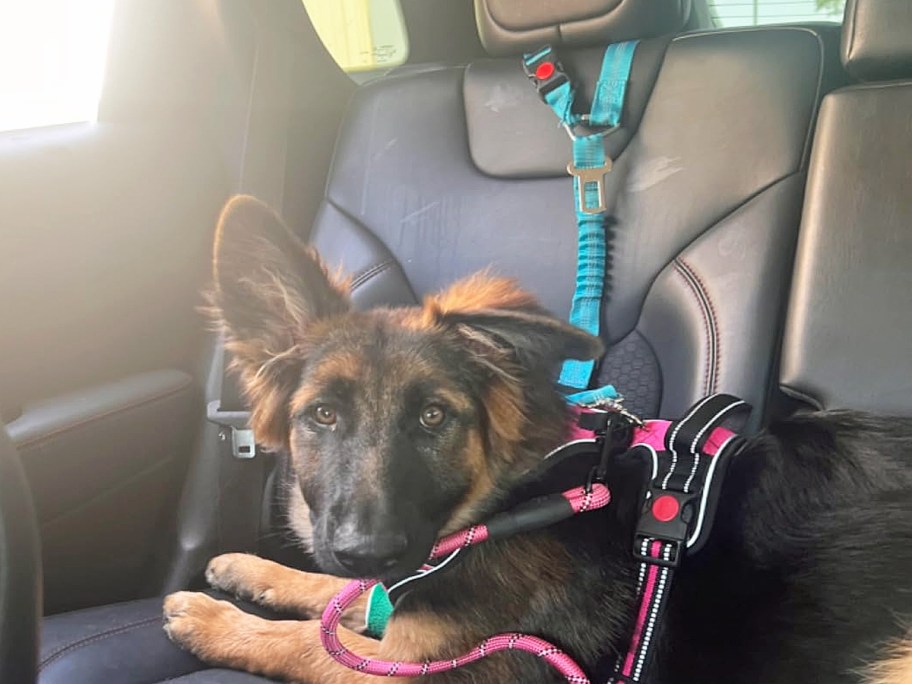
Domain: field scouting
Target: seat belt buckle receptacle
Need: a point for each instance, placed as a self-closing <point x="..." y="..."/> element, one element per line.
<point x="233" y="425"/>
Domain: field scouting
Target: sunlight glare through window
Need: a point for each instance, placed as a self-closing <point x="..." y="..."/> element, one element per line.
<point x="52" y="60"/>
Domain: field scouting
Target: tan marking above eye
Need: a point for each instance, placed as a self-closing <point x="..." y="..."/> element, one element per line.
<point x="325" y="415"/>
<point x="432" y="416"/>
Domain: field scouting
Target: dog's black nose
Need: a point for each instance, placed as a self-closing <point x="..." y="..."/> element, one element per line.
<point x="368" y="554"/>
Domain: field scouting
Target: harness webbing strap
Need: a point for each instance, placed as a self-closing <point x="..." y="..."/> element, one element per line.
<point x="691" y="434"/>
<point x="685" y="475"/>
<point x="588" y="168"/>
<point x="653" y="588"/>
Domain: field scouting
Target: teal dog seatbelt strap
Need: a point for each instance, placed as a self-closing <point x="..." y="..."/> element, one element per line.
<point x="588" y="168"/>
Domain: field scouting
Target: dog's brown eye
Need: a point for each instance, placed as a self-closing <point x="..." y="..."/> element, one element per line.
<point x="325" y="415"/>
<point x="432" y="416"/>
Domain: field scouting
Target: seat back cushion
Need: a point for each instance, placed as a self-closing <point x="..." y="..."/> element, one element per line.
<point x="445" y="172"/>
<point x="848" y="340"/>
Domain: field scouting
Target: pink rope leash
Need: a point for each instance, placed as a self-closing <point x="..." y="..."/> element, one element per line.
<point x="580" y="501"/>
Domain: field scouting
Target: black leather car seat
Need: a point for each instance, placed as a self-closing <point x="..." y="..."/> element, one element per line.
<point x="848" y="342"/>
<point x="442" y="171"/>
<point x="20" y="571"/>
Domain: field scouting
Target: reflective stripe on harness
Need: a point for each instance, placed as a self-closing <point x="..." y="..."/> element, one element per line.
<point x="688" y="459"/>
<point x="588" y="168"/>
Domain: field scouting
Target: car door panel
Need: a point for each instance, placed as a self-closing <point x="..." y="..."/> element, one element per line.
<point x="104" y="464"/>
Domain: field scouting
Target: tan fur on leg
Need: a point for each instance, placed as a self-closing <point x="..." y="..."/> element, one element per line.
<point x="896" y="668"/>
<point x="283" y="589"/>
<point x="221" y="634"/>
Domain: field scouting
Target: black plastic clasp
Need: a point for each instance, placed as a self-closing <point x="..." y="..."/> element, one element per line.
<point x="545" y="71"/>
<point x="667" y="517"/>
<point x="613" y="431"/>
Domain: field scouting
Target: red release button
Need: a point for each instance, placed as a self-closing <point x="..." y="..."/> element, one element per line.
<point x="544" y="71"/>
<point x="665" y="508"/>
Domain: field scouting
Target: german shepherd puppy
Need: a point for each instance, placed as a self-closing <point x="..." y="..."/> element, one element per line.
<point x="407" y="424"/>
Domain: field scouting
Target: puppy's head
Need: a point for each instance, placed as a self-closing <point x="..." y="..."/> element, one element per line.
<point x="402" y="424"/>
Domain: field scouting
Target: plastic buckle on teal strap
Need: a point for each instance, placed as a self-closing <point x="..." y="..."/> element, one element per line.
<point x="545" y="71"/>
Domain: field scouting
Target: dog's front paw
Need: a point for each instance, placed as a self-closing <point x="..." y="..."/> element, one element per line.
<point x="204" y="626"/>
<point x="243" y="575"/>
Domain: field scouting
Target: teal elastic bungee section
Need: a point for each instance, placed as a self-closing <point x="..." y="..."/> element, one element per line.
<point x="589" y="153"/>
<point x="585" y="312"/>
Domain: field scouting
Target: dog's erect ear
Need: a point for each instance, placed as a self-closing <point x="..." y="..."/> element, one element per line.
<point x="269" y="285"/>
<point x="496" y="315"/>
<point x="269" y="291"/>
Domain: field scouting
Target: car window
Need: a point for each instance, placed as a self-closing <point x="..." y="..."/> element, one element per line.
<point x="52" y="60"/>
<point x="361" y="35"/>
<point x="729" y="13"/>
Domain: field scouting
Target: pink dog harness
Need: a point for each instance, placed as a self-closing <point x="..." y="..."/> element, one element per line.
<point x="687" y="459"/>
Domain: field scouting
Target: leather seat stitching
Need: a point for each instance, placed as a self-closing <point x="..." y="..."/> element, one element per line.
<point x="40" y="439"/>
<point x="716" y="223"/>
<point x="683" y="273"/>
<point x="79" y="643"/>
<point x="717" y="340"/>
<point x="369" y="273"/>
<point x="710" y="324"/>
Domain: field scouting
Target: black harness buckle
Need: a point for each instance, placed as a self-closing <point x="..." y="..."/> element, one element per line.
<point x="667" y="517"/>
<point x="545" y="71"/>
<point x="682" y="496"/>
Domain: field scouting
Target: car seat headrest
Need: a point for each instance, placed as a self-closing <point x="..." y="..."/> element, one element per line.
<point x="511" y="27"/>
<point x="877" y="39"/>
